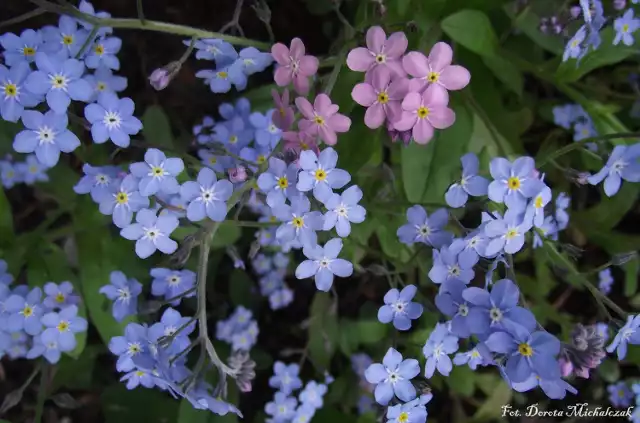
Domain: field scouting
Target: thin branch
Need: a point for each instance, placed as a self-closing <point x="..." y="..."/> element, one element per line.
<point x="140" y="11"/>
<point x="235" y="21"/>
<point x="24" y="17"/>
<point x="579" y="144"/>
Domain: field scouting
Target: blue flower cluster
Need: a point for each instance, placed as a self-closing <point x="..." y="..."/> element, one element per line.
<point x="570" y="116"/>
<point x="240" y="330"/>
<point x="30" y="171"/>
<point x="232" y="67"/>
<point x="359" y="363"/>
<point x="272" y="270"/>
<point x="38" y="322"/>
<point x="284" y="407"/>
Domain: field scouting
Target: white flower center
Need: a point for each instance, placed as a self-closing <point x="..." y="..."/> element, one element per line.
<point x="151" y="233"/>
<point x="46" y="135"/>
<point x="207" y="195"/>
<point x="618" y="166"/>
<point x="394" y="377"/>
<point x="102" y="179"/>
<point x="399" y="306"/>
<point x="112" y="120"/>
<point x="124" y="294"/>
<point x="59" y="81"/>
<point x="423" y="231"/>
<point x="463" y="309"/>
<point x="170" y="330"/>
<point x="342" y="210"/>
<point x="174" y="280"/>
<point x="495" y="314"/>
<point x="273" y="129"/>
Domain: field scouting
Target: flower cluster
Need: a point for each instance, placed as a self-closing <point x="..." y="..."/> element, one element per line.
<point x="240" y="330"/>
<point x="407" y="91"/>
<point x="284" y="407"/>
<point x="359" y="363"/>
<point x="570" y="116"/>
<point x="272" y="270"/>
<point x="29" y="172"/>
<point x="38" y="322"/>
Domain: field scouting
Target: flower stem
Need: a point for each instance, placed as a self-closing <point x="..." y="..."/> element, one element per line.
<point x="25" y="16"/>
<point x="147" y="25"/>
<point x="579" y="144"/>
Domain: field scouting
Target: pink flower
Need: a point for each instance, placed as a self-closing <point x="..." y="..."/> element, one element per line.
<point x="237" y="174"/>
<point x="322" y="119"/>
<point x="382" y="97"/>
<point x="396" y="135"/>
<point x="283" y="116"/>
<point x="299" y="141"/>
<point x="436" y="69"/>
<point x="423" y="112"/>
<point x="294" y="65"/>
<point x="380" y="51"/>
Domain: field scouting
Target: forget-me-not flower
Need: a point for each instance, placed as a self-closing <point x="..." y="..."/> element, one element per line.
<point x="323" y="263"/>
<point x="625" y="26"/>
<point x="470" y="184"/>
<point x="157" y="173"/>
<point x="436" y="350"/>
<point x="399" y="308"/>
<point x="424" y="228"/>
<point x="32" y="170"/>
<point x="207" y="197"/>
<point x="123" y="201"/>
<point x="451" y="303"/>
<point x="343" y="209"/>
<point x="267" y="133"/>
<point x="214" y="49"/>
<point x="446" y="267"/>
<point x="628" y="334"/>
<point x="20" y="48"/>
<point x="127" y="347"/>
<point x="393" y="377"/>
<point x="513" y="183"/>
<point x="103" y="54"/>
<point x="97" y="181"/>
<point x="59" y="296"/>
<point x="103" y="80"/>
<point x="506" y="234"/>
<point x="473" y="358"/>
<point x="285" y="377"/>
<point x="555" y="388"/>
<point x="605" y="280"/>
<point x="312" y="394"/>
<point x="170" y="283"/>
<point x="622" y="164"/>
<point x="573" y="49"/>
<point x="320" y="174"/>
<point x="278" y="182"/>
<point x="282" y="408"/>
<point x="24" y="312"/>
<point x="300" y="223"/>
<point x="61" y="328"/>
<point x="124" y="294"/>
<point x="112" y="118"/>
<point x="14" y="97"/>
<point x="151" y="233"/>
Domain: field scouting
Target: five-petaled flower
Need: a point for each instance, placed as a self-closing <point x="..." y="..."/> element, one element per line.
<point x="393" y="377"/>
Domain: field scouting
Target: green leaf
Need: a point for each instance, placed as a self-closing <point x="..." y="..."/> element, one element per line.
<point x="529" y="23"/>
<point x="462" y="380"/>
<point x="323" y="330"/>
<point x="121" y="405"/>
<point x="609" y="370"/>
<point x="188" y="414"/>
<point x="473" y="30"/>
<point x="240" y="286"/>
<point x="156" y="127"/>
<point x="506" y="72"/>
<point x="360" y="146"/>
<point x="492" y="407"/>
<point x="6" y="221"/>
<point x="606" y="54"/>
<point x="416" y="160"/>
<point x="371" y="331"/>
<point x="631" y="270"/>
<point x="227" y="234"/>
<point x="349" y="340"/>
<point x="77" y="373"/>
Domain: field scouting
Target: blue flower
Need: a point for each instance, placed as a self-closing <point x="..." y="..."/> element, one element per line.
<point x="343" y="209"/>
<point x="9" y="174"/>
<point x="25" y="312"/>
<point x="506" y="234"/>
<point x="473" y="358"/>
<point x="470" y="248"/>
<point x="281" y="261"/>
<point x="213" y="161"/>
<point x="5" y="277"/>
<point x="513" y="182"/>
<point x="262" y="264"/>
<point x="21" y="48"/>
<point x="399" y="308"/>
<point x="278" y="182"/>
<point x="365" y="404"/>
<point x="563" y="201"/>
<point x="61" y="328"/>
<point x="436" y="350"/>
<point x="234" y="134"/>
<point x="425" y="229"/>
<point x="253" y="60"/>
<point x="619" y="394"/>
<point x="13" y="95"/>
<point x="220" y="80"/>
<point x="603" y="330"/>
<point x="324" y="263"/>
<point x="567" y="114"/>
<point x="241" y="109"/>
<point x="32" y="170"/>
<point x="573" y="49"/>
<point x="103" y="54"/>
<point x="605" y="280"/>
<point x="256" y="155"/>
<point x="320" y="174"/>
<point x="555" y="388"/>
<point x="527" y="353"/>
<point x="169" y="283"/>
<point x="127" y="347"/>
<point x="59" y="296"/>
<point x="622" y="164"/>
<point x="304" y="414"/>
<point x="87" y="8"/>
<point x="312" y="394"/>
<point x="46" y="135"/>
<point x="451" y="303"/>
<point x="157" y="173"/>
<point x="280" y="298"/>
<point x="123" y="201"/>
<point x="65" y="37"/>
<point x="98" y="181"/>
<point x="112" y="118"/>
<point x="151" y="233"/>
<point x="535" y="209"/>
<point x="498" y="309"/>
<point x="170" y="322"/>
<point x="271" y="282"/>
<point x="139" y="377"/>
<point x="628" y="334"/>
<point x="470" y="184"/>
<point x="267" y="133"/>
<point x="410" y="412"/>
<point x="285" y="377"/>
<point x="60" y="80"/>
<point x="446" y="267"/>
<point x="583" y="130"/>
<point x="282" y="408"/>
<point x="393" y="376"/>
<point x="548" y="229"/>
<point x="214" y="49"/>
<point x="300" y="223"/>
<point x="124" y="294"/>
<point x="207" y="197"/>
<point x="103" y="80"/>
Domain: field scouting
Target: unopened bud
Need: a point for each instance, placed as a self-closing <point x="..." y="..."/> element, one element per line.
<point x="619" y="4"/>
<point x="161" y="77"/>
<point x="262" y="11"/>
<point x="238" y="174"/>
<point x="575" y="11"/>
<point x="622" y="258"/>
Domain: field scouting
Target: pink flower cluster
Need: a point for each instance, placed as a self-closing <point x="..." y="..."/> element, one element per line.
<point x="410" y="92"/>
<point x="320" y="120"/>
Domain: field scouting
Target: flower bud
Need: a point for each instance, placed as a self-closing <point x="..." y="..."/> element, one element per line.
<point x="619" y="4"/>
<point x="622" y="258"/>
<point x="161" y="77"/>
<point x="238" y="174"/>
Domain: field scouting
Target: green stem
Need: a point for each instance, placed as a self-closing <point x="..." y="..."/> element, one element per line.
<point x="579" y="144"/>
<point x="140" y="11"/>
<point x="187" y="52"/>
<point x="24" y="17"/>
<point x="130" y="23"/>
<point x="42" y="394"/>
<point x="333" y="77"/>
<point x="89" y="40"/>
<point x="500" y="142"/>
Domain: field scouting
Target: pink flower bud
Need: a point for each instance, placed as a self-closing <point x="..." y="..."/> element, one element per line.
<point x="161" y="77"/>
<point x="565" y="367"/>
<point x="238" y="174"/>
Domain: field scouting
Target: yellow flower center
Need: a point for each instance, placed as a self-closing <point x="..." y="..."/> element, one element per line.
<point x="283" y="182"/>
<point x="298" y="222"/>
<point x="514" y="182"/>
<point x="10" y="174"/>
<point x="511" y="233"/>
<point x="525" y="349"/>
<point x="625" y="28"/>
<point x="403" y="417"/>
<point x="29" y="51"/>
<point x="320" y="175"/>
<point x="63" y="326"/>
<point x="304" y="146"/>
<point x="139" y="373"/>
<point x="27" y="311"/>
<point x="223" y="75"/>
<point x="433" y="77"/>
<point x="58" y="81"/>
<point x="538" y="203"/>
<point x="272" y="219"/>
<point x="99" y="49"/>
<point x="10" y="90"/>
<point x="261" y="159"/>
<point x="319" y="120"/>
<point x="157" y="171"/>
<point x="101" y="86"/>
<point x="233" y="139"/>
<point x="282" y="111"/>
<point x="122" y="198"/>
<point x="621" y="393"/>
<point x="67" y="40"/>
<point x="381" y="58"/>
<point x="423" y="112"/>
<point x="383" y="98"/>
<point x="213" y="160"/>
<point x="33" y="169"/>
<point x="59" y="297"/>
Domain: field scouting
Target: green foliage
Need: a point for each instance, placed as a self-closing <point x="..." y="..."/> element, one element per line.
<point x="156" y="127"/>
<point x="473" y="30"/>
<point x="323" y="330"/>
<point x="121" y="405"/>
